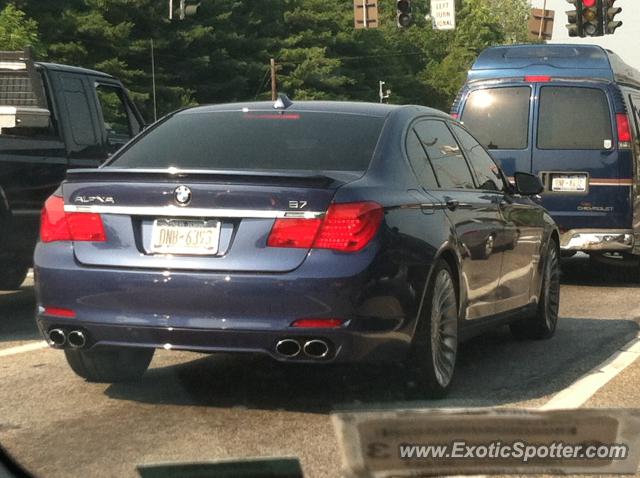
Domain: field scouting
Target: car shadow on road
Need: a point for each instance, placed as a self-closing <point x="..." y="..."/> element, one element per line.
<point x="17" y="321"/>
<point x="493" y="369"/>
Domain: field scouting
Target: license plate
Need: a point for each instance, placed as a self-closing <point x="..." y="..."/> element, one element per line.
<point x="573" y="183"/>
<point x="179" y="236"/>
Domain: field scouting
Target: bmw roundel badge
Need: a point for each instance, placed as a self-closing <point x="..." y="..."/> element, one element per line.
<point x="182" y="195"/>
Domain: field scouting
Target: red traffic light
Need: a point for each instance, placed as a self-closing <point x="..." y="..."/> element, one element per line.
<point x="589" y="3"/>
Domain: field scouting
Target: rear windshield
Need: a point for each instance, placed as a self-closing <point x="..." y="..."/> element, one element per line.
<point x="499" y="117"/>
<point x="574" y="118"/>
<point x="257" y="140"/>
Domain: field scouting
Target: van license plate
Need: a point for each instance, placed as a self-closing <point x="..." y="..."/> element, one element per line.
<point x="180" y="236"/>
<point x="569" y="183"/>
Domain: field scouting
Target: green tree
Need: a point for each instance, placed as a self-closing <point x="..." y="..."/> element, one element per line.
<point x="16" y="30"/>
<point x="513" y="16"/>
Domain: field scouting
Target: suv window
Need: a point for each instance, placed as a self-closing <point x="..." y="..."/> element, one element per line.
<point x="257" y="139"/>
<point x="119" y="122"/>
<point x="487" y="172"/>
<point x="499" y="117"/>
<point x="444" y="153"/>
<point x="78" y="111"/>
<point x="419" y="162"/>
<point x="574" y="118"/>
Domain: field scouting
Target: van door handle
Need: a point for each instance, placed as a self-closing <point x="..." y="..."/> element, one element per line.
<point x="452" y="204"/>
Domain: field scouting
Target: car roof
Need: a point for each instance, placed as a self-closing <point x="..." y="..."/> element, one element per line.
<point x="342" y="107"/>
<point x="72" y="69"/>
<point x="555" y="60"/>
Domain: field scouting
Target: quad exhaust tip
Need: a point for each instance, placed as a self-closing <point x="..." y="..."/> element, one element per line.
<point x="76" y="339"/>
<point x="57" y="337"/>
<point x="316" y="348"/>
<point x="288" y="348"/>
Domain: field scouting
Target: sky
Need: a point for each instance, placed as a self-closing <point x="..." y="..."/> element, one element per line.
<point x="626" y="40"/>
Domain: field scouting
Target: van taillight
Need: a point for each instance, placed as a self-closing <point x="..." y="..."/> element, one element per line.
<point x="624" y="130"/>
<point x="347" y="227"/>
<point x="58" y="225"/>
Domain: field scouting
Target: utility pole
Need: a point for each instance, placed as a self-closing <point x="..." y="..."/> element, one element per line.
<point x="274" y="88"/>
<point x="542" y="21"/>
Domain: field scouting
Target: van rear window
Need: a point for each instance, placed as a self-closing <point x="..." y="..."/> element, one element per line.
<point x="574" y="118"/>
<point x="499" y="117"/>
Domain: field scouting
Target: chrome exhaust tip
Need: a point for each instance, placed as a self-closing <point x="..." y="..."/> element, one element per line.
<point x="57" y="337"/>
<point x="288" y="348"/>
<point x="316" y="348"/>
<point x="76" y="339"/>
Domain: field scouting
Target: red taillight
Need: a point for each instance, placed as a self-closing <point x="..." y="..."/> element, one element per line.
<point x="537" y="79"/>
<point x="347" y="227"/>
<point x="294" y="232"/>
<point x="317" y="323"/>
<point x="57" y="225"/>
<point x="624" y="131"/>
<point x="60" y="312"/>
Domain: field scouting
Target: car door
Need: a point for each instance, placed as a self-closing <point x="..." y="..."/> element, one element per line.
<point x="586" y="178"/>
<point x="520" y="239"/>
<point x="474" y="214"/>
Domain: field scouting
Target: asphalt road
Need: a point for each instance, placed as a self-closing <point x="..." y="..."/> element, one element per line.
<point x="192" y="407"/>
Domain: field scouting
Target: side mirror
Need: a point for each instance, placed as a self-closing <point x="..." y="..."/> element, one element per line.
<point x="528" y="184"/>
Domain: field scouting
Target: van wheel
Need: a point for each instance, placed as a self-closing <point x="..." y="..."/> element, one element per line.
<point x="108" y="365"/>
<point x="435" y="347"/>
<point x="543" y="324"/>
<point x="12" y="275"/>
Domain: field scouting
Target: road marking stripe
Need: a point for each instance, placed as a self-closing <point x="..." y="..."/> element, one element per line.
<point x="580" y="391"/>
<point x="30" y="347"/>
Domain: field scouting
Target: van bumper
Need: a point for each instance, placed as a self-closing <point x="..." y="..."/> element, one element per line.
<point x="597" y="240"/>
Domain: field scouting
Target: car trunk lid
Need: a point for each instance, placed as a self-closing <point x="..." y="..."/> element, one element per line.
<point x="237" y="209"/>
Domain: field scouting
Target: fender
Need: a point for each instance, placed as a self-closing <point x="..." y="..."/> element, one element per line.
<point x="447" y="247"/>
<point x="536" y="284"/>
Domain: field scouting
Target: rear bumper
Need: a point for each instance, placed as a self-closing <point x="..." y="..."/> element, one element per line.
<point x="344" y="345"/>
<point x="225" y="312"/>
<point x="597" y="240"/>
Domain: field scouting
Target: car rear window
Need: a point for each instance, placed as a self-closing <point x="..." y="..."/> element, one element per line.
<point x="574" y="118"/>
<point x="257" y="140"/>
<point x="499" y="117"/>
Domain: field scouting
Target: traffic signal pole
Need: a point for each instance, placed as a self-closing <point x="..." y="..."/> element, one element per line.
<point x="542" y="21"/>
<point x="274" y="88"/>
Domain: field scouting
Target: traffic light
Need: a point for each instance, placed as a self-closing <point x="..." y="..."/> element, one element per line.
<point x="575" y="19"/>
<point x="403" y="13"/>
<point x="611" y="12"/>
<point x="592" y="20"/>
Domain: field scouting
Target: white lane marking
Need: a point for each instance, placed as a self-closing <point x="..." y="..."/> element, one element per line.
<point x="30" y="347"/>
<point x="580" y="391"/>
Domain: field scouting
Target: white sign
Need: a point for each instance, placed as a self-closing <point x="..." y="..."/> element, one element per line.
<point x="443" y="14"/>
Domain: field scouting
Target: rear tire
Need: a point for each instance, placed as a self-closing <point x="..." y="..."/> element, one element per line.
<point x="543" y="324"/>
<point x="432" y="362"/>
<point x="108" y="365"/>
<point x="12" y="275"/>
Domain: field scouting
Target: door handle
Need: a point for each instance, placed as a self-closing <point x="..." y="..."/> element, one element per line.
<point x="452" y="204"/>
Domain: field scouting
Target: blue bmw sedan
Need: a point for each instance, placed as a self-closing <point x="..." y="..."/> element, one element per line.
<point x="316" y="232"/>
